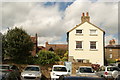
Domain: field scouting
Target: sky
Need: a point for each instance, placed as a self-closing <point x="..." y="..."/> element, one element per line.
<point x="52" y="20"/>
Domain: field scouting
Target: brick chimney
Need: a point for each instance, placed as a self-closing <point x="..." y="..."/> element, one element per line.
<point x="85" y="18"/>
<point x="112" y="42"/>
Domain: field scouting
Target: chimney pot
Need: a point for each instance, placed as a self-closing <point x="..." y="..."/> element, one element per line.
<point x="82" y="14"/>
<point x="87" y="14"/>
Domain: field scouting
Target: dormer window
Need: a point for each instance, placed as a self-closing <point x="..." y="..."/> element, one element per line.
<point x="93" y="32"/>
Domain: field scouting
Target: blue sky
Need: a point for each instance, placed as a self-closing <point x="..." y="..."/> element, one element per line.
<point x="52" y="20"/>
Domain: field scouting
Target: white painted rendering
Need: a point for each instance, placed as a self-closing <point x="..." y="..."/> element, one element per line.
<point x="94" y="56"/>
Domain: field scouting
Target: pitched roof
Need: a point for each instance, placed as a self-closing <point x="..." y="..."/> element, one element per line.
<point x="83" y="23"/>
<point x="57" y="46"/>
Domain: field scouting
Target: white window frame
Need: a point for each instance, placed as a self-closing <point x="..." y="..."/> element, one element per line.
<point x="76" y="45"/>
<point x="110" y="49"/>
<point x="110" y="55"/>
<point x="93" y="48"/>
<point x="93" y="34"/>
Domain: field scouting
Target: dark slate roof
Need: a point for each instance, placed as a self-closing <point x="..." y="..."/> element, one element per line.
<point x="113" y="46"/>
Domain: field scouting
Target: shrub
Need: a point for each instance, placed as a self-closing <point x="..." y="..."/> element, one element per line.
<point x="47" y="57"/>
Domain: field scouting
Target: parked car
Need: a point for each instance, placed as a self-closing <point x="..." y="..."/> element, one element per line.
<point x="31" y="72"/>
<point x="79" y="78"/>
<point x="9" y="72"/>
<point x="85" y="71"/>
<point x="108" y="71"/>
<point x="57" y="71"/>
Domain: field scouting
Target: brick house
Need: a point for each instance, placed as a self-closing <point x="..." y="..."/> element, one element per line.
<point x="112" y="51"/>
<point x="53" y="47"/>
<point x="35" y="49"/>
<point x="60" y="49"/>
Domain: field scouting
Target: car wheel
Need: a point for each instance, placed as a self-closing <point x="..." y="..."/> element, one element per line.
<point x="117" y="78"/>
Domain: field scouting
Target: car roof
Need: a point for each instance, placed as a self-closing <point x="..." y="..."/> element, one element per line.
<point x="5" y="65"/>
<point x="32" y="66"/>
<point x="59" y="66"/>
<point x="85" y="67"/>
<point x="110" y="66"/>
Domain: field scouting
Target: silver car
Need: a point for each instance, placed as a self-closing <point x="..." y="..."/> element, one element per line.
<point x="85" y="71"/>
<point x="31" y="72"/>
<point x="108" y="71"/>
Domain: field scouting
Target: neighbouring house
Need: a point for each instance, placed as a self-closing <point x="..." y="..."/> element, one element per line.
<point x="86" y="42"/>
<point x="60" y="49"/>
<point x="35" y="49"/>
<point x="112" y="51"/>
<point x="53" y="47"/>
<point x="41" y="48"/>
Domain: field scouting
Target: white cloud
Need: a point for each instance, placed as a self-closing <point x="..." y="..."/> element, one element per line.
<point x="50" y="23"/>
<point x="104" y="15"/>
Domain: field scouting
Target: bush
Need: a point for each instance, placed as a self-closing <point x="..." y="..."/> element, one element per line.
<point x="47" y="57"/>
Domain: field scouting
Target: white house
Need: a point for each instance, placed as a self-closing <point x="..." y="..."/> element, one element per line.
<point x="86" y="42"/>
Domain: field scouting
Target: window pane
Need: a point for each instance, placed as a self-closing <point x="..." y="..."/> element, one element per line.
<point x="78" y="31"/>
<point x="92" y="31"/>
<point x="78" y="44"/>
<point x="93" y="45"/>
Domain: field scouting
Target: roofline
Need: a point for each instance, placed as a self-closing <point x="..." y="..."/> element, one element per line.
<point x="82" y="23"/>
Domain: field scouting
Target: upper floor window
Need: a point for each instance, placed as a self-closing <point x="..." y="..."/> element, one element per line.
<point x="93" y="45"/>
<point x="79" y="44"/>
<point x="79" y="31"/>
<point x="110" y="55"/>
<point x="110" y="49"/>
<point x="93" y="32"/>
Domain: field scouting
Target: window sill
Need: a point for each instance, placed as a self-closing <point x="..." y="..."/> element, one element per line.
<point x="79" y="34"/>
<point x="79" y="49"/>
<point x="93" y="35"/>
<point x="93" y="49"/>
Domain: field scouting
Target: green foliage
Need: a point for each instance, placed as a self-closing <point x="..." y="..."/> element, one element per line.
<point x="47" y="57"/>
<point x="65" y="58"/>
<point x="60" y="52"/>
<point x="17" y="44"/>
<point x="110" y="61"/>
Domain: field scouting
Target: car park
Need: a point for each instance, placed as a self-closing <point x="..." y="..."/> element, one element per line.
<point x="85" y="71"/>
<point x="31" y="72"/>
<point x="57" y="71"/>
<point x="9" y="72"/>
<point x="108" y="72"/>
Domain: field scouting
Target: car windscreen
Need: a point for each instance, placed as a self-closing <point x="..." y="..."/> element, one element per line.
<point x="112" y="68"/>
<point x="85" y="70"/>
<point x="31" y="69"/>
<point x="63" y="69"/>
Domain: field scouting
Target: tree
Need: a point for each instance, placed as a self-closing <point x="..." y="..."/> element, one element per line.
<point x="60" y="52"/>
<point x="17" y="44"/>
<point x="47" y="57"/>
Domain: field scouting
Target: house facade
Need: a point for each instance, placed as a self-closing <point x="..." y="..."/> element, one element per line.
<point x="112" y="51"/>
<point x="86" y="42"/>
<point x="35" y="47"/>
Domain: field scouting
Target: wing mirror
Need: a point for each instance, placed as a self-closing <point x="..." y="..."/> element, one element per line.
<point x="68" y="70"/>
<point x="76" y="71"/>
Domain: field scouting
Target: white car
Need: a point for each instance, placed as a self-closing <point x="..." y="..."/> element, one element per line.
<point x="31" y="72"/>
<point x="57" y="71"/>
<point x="86" y="71"/>
<point x="108" y="71"/>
